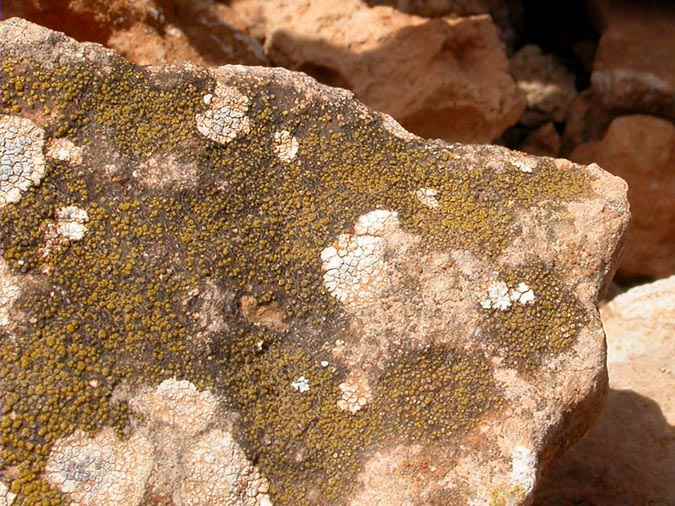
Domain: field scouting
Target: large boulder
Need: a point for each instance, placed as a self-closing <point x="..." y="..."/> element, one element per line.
<point x="440" y="78"/>
<point x="151" y="32"/>
<point x="238" y="286"/>
<point x="629" y="456"/>
<point x="634" y="69"/>
<point x="641" y="150"/>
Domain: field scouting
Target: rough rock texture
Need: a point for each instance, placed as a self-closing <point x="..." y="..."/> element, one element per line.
<point x="546" y="84"/>
<point x="440" y="78"/>
<point x="326" y="310"/>
<point x="634" y="70"/>
<point x="641" y="150"/>
<point x="628" y="458"/>
<point x="149" y="32"/>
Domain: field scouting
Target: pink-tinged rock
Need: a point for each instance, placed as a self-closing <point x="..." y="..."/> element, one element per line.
<point x="641" y="150"/>
<point x="275" y="295"/>
<point x="628" y="458"/>
<point x="634" y="69"/>
<point x="544" y="141"/>
<point x="440" y="78"/>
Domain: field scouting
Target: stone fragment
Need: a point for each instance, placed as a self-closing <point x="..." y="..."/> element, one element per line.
<point x="445" y="78"/>
<point x="628" y="457"/>
<point x="641" y="150"/>
<point x="263" y="332"/>
<point x="150" y="32"/>
<point x="634" y="71"/>
<point x="544" y="141"/>
<point x="546" y="84"/>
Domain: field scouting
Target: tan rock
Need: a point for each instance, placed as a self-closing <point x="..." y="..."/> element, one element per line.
<point x="544" y="141"/>
<point x="587" y="121"/>
<point x="370" y="317"/>
<point x="634" y="70"/>
<point x="150" y="32"/>
<point x="445" y="78"/>
<point x="629" y="456"/>
<point x="641" y="150"/>
<point x="546" y="84"/>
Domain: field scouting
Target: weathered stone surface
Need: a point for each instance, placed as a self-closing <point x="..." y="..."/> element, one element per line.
<point x="634" y="70"/>
<point x="150" y="32"/>
<point x="546" y="84"/>
<point x="641" y="150"/>
<point x="440" y="78"/>
<point x="324" y="309"/>
<point x="587" y="121"/>
<point x="544" y="141"/>
<point x="629" y="456"/>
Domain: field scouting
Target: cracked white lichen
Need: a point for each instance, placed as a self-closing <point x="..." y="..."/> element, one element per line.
<point x="355" y="393"/>
<point x="64" y="150"/>
<point x="9" y="292"/>
<point x="226" y="117"/>
<point x="354" y="267"/>
<point x="526" y="165"/>
<point x="218" y="472"/>
<point x="181" y="447"/>
<point x="101" y="471"/>
<point x="71" y="222"/>
<point x="523" y="468"/>
<point x="22" y="163"/>
<point x="285" y="145"/>
<point x="6" y="497"/>
<point x="300" y="384"/>
<point x="428" y="197"/>
<point x="501" y="297"/>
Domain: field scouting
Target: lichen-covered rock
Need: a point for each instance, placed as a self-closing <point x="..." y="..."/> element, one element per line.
<point x="629" y="456"/>
<point x="441" y="78"/>
<point x="546" y="84"/>
<point x="150" y="32"/>
<point x="323" y="309"/>
<point x="641" y="150"/>
<point x="634" y="71"/>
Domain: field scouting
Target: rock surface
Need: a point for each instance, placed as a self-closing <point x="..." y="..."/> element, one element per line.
<point x="150" y="32"/>
<point x="634" y="70"/>
<point x="546" y="84"/>
<point x="628" y="458"/>
<point x="544" y="141"/>
<point x="641" y="150"/>
<point x="325" y="309"/>
<point x="440" y="78"/>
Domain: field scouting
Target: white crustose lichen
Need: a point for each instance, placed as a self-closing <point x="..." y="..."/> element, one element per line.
<point x="22" y="163"/>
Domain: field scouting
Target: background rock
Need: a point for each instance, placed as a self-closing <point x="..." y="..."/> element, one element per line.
<point x="629" y="456"/>
<point x="358" y="314"/>
<point x="641" y="150"/>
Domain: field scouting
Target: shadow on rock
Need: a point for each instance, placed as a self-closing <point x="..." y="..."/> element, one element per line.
<point x="628" y="458"/>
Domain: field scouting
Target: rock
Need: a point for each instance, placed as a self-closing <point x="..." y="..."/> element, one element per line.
<point x="634" y="71"/>
<point x="629" y="456"/>
<point x="546" y="84"/>
<point x="151" y="32"/>
<point x="587" y="120"/>
<point x="544" y="141"/>
<point x="641" y="150"/>
<point x="342" y="313"/>
<point x="440" y="78"/>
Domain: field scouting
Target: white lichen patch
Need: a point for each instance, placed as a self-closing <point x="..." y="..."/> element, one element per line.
<point x="286" y="146"/>
<point x="354" y="267"/>
<point x="428" y="197"/>
<point x="9" y="292"/>
<point x="501" y="297"/>
<point x="65" y="151"/>
<point x="71" y="223"/>
<point x="526" y="165"/>
<point x="355" y="392"/>
<point x="177" y="403"/>
<point x="522" y="294"/>
<point x="6" y="497"/>
<point x="218" y="472"/>
<point x="300" y="384"/>
<point x="103" y="470"/>
<point x="523" y="468"/>
<point x="22" y="163"/>
<point x="167" y="172"/>
<point x="226" y="117"/>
